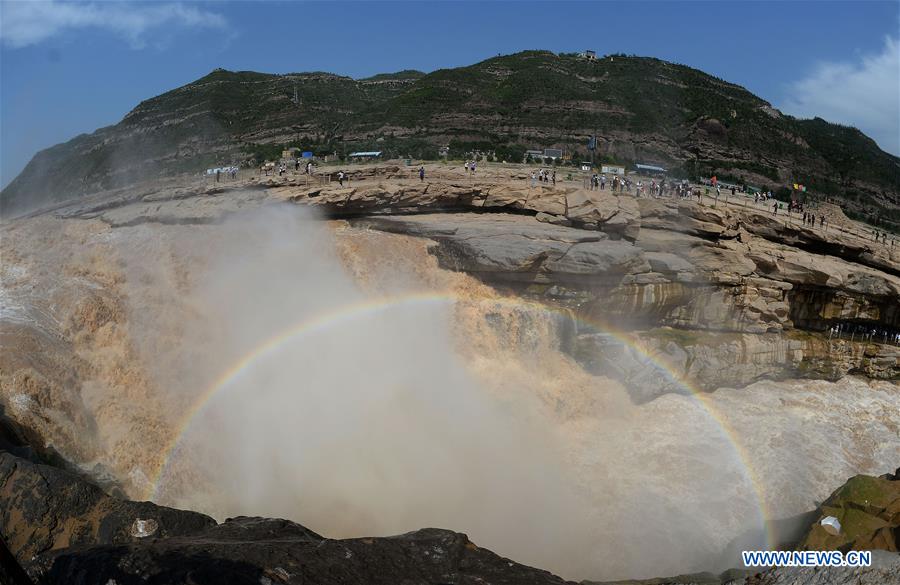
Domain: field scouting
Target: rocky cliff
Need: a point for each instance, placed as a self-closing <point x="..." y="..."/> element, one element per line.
<point x="705" y="285"/>
<point x="641" y="109"/>
<point x="695" y="284"/>
<point x="668" y="296"/>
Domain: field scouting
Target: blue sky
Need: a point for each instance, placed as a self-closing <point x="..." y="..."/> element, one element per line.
<point x="68" y="67"/>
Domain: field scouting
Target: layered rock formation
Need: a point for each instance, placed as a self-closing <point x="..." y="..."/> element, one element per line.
<point x="764" y="294"/>
<point x="758" y="292"/>
<point x="665" y="295"/>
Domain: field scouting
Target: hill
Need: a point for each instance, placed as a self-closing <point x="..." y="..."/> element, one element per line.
<point x="641" y="109"/>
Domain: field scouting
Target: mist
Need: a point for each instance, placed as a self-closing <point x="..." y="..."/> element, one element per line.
<point x="458" y="409"/>
<point x="369" y="425"/>
<point x="455" y="409"/>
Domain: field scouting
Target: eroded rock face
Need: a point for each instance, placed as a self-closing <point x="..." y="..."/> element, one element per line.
<point x="688" y="267"/>
<point x="687" y="276"/>
<point x="615" y="260"/>
<point x="66" y="531"/>
<point x="712" y="359"/>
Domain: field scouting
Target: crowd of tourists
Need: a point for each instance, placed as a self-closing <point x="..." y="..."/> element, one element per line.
<point x="863" y="332"/>
<point x="543" y="176"/>
<point x="882" y="237"/>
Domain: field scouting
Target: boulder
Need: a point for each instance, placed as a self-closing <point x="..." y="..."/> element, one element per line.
<point x="868" y="509"/>
<point x="44" y="508"/>
<point x="554" y="219"/>
<point x="65" y="531"/>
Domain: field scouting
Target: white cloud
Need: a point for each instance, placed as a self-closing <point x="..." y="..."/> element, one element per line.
<point x="865" y="94"/>
<point x="28" y="22"/>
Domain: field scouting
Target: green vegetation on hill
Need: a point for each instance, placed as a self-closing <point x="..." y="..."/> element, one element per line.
<point x="642" y="109"/>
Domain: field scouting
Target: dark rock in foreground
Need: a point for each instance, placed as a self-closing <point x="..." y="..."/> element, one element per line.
<point x="868" y="509"/>
<point x="64" y="530"/>
<point x="258" y="550"/>
<point x="43" y="508"/>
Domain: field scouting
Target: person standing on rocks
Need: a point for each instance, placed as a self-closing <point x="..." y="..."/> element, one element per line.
<point x="421" y="174"/>
<point x="533" y="179"/>
<point x="553" y="176"/>
<point x="341" y="178"/>
<point x="602" y="182"/>
<point x="775" y="208"/>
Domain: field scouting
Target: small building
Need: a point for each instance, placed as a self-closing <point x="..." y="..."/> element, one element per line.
<point x="365" y="155"/>
<point x="533" y="154"/>
<point x="553" y="153"/>
<point x="290" y="153"/>
<point x="650" y="169"/>
<point x="588" y="54"/>
<point x="613" y="170"/>
<point x="585" y="166"/>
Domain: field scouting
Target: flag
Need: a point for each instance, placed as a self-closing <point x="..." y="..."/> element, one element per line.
<point x="796" y="187"/>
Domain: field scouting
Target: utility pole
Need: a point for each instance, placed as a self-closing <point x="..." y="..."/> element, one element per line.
<point x="593" y="147"/>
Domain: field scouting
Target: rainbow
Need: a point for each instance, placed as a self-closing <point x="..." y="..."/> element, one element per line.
<point x="350" y="312"/>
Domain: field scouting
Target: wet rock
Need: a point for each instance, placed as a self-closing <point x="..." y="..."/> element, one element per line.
<point x="255" y="550"/>
<point x="66" y="531"/>
<point x="715" y="359"/>
<point x="44" y="508"/>
<point x="11" y="572"/>
<point x="868" y="509"/>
